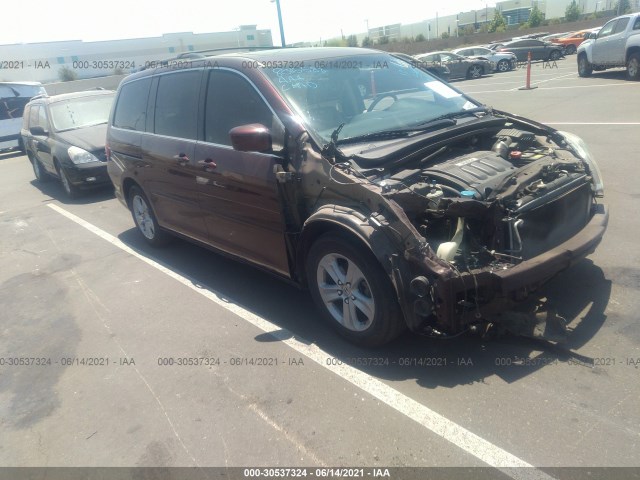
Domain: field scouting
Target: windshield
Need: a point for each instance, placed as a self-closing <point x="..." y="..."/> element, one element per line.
<point x="80" y="112"/>
<point x="367" y="93"/>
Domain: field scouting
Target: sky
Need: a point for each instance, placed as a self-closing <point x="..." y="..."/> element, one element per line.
<point x="304" y="20"/>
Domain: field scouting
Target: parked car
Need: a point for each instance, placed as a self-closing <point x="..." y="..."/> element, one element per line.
<point x="64" y="137"/>
<point x="419" y="209"/>
<point x="539" y="50"/>
<point x="503" y="61"/>
<point x="440" y="71"/>
<point x="617" y="44"/>
<point x="13" y="98"/>
<point x="459" y="66"/>
<point x="549" y="38"/>
<point x="572" y="41"/>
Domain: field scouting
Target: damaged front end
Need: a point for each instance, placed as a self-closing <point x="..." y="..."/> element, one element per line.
<point x="498" y="213"/>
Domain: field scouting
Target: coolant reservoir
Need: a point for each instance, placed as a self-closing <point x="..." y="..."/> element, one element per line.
<point x="447" y="250"/>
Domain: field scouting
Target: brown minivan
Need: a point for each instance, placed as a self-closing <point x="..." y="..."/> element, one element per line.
<point x="411" y="206"/>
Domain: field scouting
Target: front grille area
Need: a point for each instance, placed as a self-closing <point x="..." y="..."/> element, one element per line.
<point x="548" y="225"/>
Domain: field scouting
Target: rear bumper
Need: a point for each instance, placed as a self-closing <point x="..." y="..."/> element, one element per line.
<point x="501" y="289"/>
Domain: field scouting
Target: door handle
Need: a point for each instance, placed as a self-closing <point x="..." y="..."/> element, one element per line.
<point x="181" y="159"/>
<point x="208" y="165"/>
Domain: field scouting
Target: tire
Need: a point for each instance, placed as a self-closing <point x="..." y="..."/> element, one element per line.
<point x="69" y="189"/>
<point x="367" y="312"/>
<point x="585" y="69"/>
<point x="555" y="55"/>
<point x="474" y="71"/>
<point x="145" y="219"/>
<point x="633" y="67"/>
<point x="41" y="174"/>
<point x="571" y="49"/>
<point x="503" y="66"/>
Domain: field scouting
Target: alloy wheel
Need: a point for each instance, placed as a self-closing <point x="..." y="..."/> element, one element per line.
<point x="143" y="217"/>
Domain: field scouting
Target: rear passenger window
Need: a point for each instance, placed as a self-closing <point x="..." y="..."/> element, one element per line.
<point x="232" y="101"/>
<point x="176" y="112"/>
<point x="131" y="110"/>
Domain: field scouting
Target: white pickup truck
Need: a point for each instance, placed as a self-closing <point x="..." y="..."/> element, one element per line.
<point x="617" y="44"/>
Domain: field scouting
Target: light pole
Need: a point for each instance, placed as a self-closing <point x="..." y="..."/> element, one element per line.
<point x="277" y="2"/>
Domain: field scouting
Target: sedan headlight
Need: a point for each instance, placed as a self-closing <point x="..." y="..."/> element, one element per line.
<point x="580" y="148"/>
<point x="78" y="155"/>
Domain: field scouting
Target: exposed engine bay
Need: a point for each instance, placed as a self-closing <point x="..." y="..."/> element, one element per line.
<point x="495" y="200"/>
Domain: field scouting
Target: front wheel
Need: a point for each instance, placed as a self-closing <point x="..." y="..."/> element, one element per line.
<point x="585" y="69"/>
<point x="69" y="189"/>
<point x="475" y="71"/>
<point x="145" y="219"/>
<point x="503" y="66"/>
<point x="633" y="67"/>
<point x="39" y="172"/>
<point x="353" y="292"/>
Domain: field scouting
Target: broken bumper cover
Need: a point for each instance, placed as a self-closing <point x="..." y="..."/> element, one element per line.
<point x="501" y="289"/>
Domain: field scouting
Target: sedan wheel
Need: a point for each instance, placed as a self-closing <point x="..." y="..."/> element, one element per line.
<point x="474" y="72"/>
<point x="145" y="219"/>
<point x="571" y="49"/>
<point x="555" y="55"/>
<point x="503" y="66"/>
<point x="352" y="291"/>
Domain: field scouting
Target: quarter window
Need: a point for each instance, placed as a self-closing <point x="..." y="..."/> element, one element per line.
<point x="131" y="110"/>
<point x="232" y="101"/>
<point x="176" y="112"/>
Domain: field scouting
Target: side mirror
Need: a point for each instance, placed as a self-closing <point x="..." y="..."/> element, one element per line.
<point x="253" y="137"/>
<point x="592" y="35"/>
<point x="38" y="131"/>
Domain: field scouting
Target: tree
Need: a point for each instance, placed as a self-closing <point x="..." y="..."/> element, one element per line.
<point x="572" y="13"/>
<point x="468" y="30"/>
<point x="445" y="35"/>
<point x="352" y="41"/>
<point x="366" y="42"/>
<point x="622" y="7"/>
<point x="420" y="38"/>
<point x="66" y="74"/>
<point x="536" y="17"/>
<point x="498" y="24"/>
<point x="383" y="40"/>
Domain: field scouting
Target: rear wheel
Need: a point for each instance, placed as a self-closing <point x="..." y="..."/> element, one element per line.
<point x="555" y="55"/>
<point x="633" y="66"/>
<point x="145" y="219"/>
<point x="353" y="292"/>
<point x="585" y="69"/>
<point x="475" y="71"/>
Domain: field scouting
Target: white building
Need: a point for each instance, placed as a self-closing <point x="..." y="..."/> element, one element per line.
<point x="42" y="61"/>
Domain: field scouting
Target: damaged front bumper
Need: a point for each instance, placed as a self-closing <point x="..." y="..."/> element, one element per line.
<point x="478" y="296"/>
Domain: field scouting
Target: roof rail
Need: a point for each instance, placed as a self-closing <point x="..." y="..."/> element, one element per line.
<point x="199" y="54"/>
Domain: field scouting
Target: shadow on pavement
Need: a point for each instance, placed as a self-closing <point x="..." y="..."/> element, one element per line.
<point x="580" y="294"/>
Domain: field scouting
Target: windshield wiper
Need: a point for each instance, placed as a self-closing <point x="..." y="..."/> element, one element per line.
<point x="453" y="115"/>
<point x="399" y="132"/>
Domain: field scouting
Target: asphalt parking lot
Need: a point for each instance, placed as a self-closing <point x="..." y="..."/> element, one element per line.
<point x="276" y="387"/>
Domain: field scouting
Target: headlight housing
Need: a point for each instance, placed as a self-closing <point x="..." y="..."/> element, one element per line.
<point x="78" y="155"/>
<point x="580" y="148"/>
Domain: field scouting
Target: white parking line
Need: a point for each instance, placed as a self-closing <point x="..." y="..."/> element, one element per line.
<point x="560" y="88"/>
<point x="461" y="437"/>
